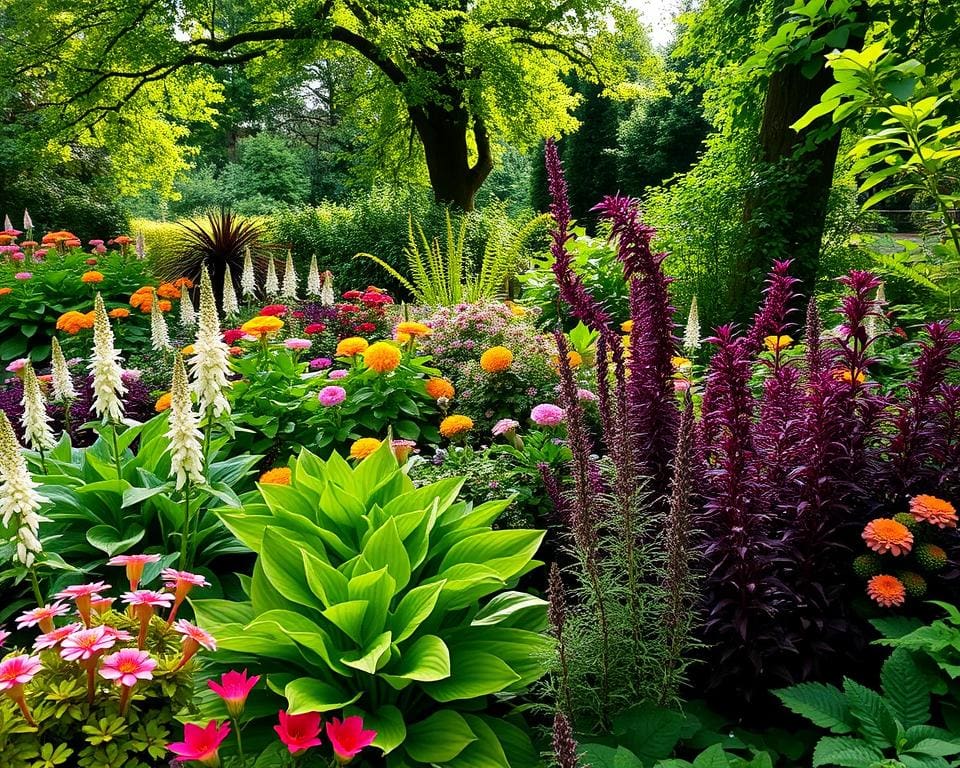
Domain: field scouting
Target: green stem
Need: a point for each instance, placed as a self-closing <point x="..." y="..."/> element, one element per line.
<point x="43" y="461"/>
<point x="236" y="730"/>
<point x="186" y="526"/>
<point x="35" y="583"/>
<point x="116" y="451"/>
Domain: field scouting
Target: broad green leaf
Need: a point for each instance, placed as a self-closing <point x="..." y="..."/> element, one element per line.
<point x="874" y="715"/>
<point x="485" y="752"/>
<point x="387" y="721"/>
<point x="348" y="618"/>
<point x="936" y="747"/>
<point x="712" y="757"/>
<point x="307" y="694"/>
<point x="377" y="588"/>
<point x="413" y="609"/>
<point x="108" y="539"/>
<point x="472" y="675"/>
<point x="385" y="549"/>
<point x="905" y="688"/>
<point x="324" y="580"/>
<point x="512" y="609"/>
<point x="846" y="752"/>
<point x="284" y="567"/>
<point x="426" y="660"/>
<point x="439" y="738"/>
<point x="371" y="658"/>
<point x="506" y="552"/>
<point x="823" y="705"/>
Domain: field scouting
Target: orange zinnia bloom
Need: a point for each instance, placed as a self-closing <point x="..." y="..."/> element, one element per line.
<point x="438" y="388"/>
<point x="73" y="322"/>
<point x="262" y="326"/>
<point x="91" y="277"/>
<point x="180" y="282"/>
<point x="168" y="291"/>
<point x="381" y="357"/>
<point x="163" y="402"/>
<point x="5" y="290"/>
<point x="455" y="425"/>
<point x="364" y="447"/>
<point x="119" y="312"/>
<point x="351" y="346"/>
<point x="887" y="591"/>
<point x="496" y="359"/>
<point x="930" y="509"/>
<point x="886" y="535"/>
<point x="276" y="476"/>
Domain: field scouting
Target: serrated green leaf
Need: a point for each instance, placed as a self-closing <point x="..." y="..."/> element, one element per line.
<point x="823" y="705"/>
<point x="846" y="752"/>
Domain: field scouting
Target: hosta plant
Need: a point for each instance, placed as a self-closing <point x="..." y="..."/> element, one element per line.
<point x="390" y="602"/>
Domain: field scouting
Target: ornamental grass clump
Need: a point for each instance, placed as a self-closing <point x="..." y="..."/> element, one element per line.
<point x="394" y="603"/>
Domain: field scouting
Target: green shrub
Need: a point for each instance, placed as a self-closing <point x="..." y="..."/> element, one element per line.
<point x="390" y="602"/>
<point x="161" y="238"/>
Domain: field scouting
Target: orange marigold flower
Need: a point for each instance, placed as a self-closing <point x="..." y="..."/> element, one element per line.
<point x="886" y="535"/>
<point x="680" y="362"/>
<point x="848" y="376"/>
<point x="165" y="306"/>
<point x="455" y="425"/>
<point x="930" y="509"/>
<point x="626" y="326"/>
<point x="187" y="350"/>
<point x="496" y="359"/>
<point x="776" y="343"/>
<point x="403" y="338"/>
<point x="262" y="326"/>
<point x="236" y="351"/>
<point x="5" y="290"/>
<point x="163" y="402"/>
<point x="411" y="328"/>
<point x="516" y="310"/>
<point x="276" y="476"/>
<point x="364" y="447"/>
<point x="91" y="277"/>
<point x="180" y="282"/>
<point x="351" y="346"/>
<point x="381" y="357"/>
<point x="574" y="358"/>
<point x="168" y="291"/>
<point x="438" y="388"/>
<point x="73" y="322"/>
<point x="119" y="312"/>
<point x="886" y="591"/>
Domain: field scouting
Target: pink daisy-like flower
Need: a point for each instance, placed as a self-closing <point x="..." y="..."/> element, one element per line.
<point x="143" y="602"/>
<point x="86" y="643"/>
<point x="338" y="374"/>
<point x="43" y="616"/>
<point x="402" y="449"/>
<point x="933" y="510"/>
<point x="3" y="637"/>
<point x="180" y="582"/>
<point x="503" y="426"/>
<point x="101" y="604"/>
<point x="120" y="635"/>
<point x="56" y="636"/>
<point x="201" y="744"/>
<point x="82" y="596"/>
<point x="547" y="415"/>
<point x="23" y="275"/>
<point x="332" y="395"/>
<point x="194" y="639"/>
<point x="134" y="565"/>
<point x="233" y="688"/>
<point x="127" y="667"/>
<point x="18" y="670"/>
<point x="298" y="345"/>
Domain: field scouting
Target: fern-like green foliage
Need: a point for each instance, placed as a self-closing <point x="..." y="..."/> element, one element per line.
<point x="445" y="275"/>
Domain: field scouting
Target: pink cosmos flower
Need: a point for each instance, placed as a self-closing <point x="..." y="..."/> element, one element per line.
<point x="348" y="737"/>
<point x="233" y="688"/>
<point x="120" y="635"/>
<point x="55" y="636"/>
<point x="143" y="602"/>
<point x="547" y="415"/>
<point x="201" y="744"/>
<point x="43" y="616"/>
<point x="83" y="595"/>
<point x="181" y="582"/>
<point x="298" y="345"/>
<point x="194" y="639"/>
<point x="503" y="426"/>
<point x="84" y="644"/>
<point x="134" y="565"/>
<point x="18" y="670"/>
<point x="337" y="375"/>
<point x="127" y="667"/>
<point x="332" y="395"/>
<point x="299" y="732"/>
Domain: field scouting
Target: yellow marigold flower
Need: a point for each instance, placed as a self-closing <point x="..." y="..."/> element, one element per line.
<point x="455" y="425"/>
<point x="163" y="402"/>
<point x="626" y="326"/>
<point x="91" y="277"/>
<point x="168" y="291"/>
<point x="517" y="311"/>
<point x="438" y="388"/>
<point x="414" y="329"/>
<point x="187" y="350"/>
<point x="680" y="362"/>
<point x="887" y="535"/>
<point x="73" y="322"/>
<point x="351" y="346"/>
<point x="886" y="591"/>
<point x="363" y="447"/>
<point x="496" y="359"/>
<point x="262" y="326"/>
<point x="403" y="338"/>
<point x="381" y="357"/>
<point x="930" y="509"/>
<point x="276" y="476"/>
<point x="119" y="312"/>
<point x="776" y="343"/>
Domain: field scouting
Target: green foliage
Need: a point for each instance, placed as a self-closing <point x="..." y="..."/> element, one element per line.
<point x="269" y="167"/>
<point x="161" y="239"/>
<point x="939" y="641"/>
<point x="444" y="276"/>
<point x="388" y="601"/>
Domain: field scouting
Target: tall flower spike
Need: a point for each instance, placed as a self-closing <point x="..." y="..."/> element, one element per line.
<point x="230" y="305"/>
<point x="313" y="278"/>
<point x="35" y="420"/>
<point x="140" y="247"/>
<point x="210" y="361"/>
<point x="186" y="453"/>
<point x="62" y="382"/>
<point x="188" y="315"/>
<point x="108" y="387"/>
<point x="272" y="286"/>
<point x="564" y="746"/>
<point x="27" y="221"/>
<point x="289" y="278"/>
<point x="248" y="281"/>
<point x="159" y="335"/>
<point x="327" y="298"/>
<point x="691" y="336"/>
<point x="19" y="500"/>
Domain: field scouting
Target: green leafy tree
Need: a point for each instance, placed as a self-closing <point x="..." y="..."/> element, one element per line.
<point x="267" y="165"/>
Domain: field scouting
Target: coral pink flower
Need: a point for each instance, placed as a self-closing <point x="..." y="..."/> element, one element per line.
<point x="181" y="582"/>
<point x="930" y="509"/>
<point x="3" y="637"/>
<point x="135" y="565"/>
<point x="43" y="616"/>
<point x="201" y="744"/>
<point x="144" y="601"/>
<point x="194" y="639"/>
<point x="887" y="591"/>
<point x="127" y="667"/>
<point x="102" y="604"/>
<point x="55" y="636"/>
<point x="85" y="644"/>
<point x="233" y="688"/>
<point x="298" y="345"/>
<point x="348" y="737"/>
<point x="299" y="732"/>
<point x="16" y="672"/>
<point x="82" y="595"/>
<point x="887" y="535"/>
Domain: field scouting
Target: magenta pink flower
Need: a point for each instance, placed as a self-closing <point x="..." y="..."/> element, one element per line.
<point x="337" y="375"/>
<point x="201" y="744"/>
<point x="297" y="345"/>
<point x="233" y="688"/>
<point x="181" y="582"/>
<point x="194" y="639"/>
<point x="55" y="636"/>
<point x="332" y="395"/>
<point x="23" y="275"/>
<point x="299" y="732"/>
<point x="547" y="415"/>
<point x="18" y="670"/>
<point x="18" y="365"/>
<point x="3" y="637"/>
<point x="143" y="602"/>
<point x="82" y="595"/>
<point x="503" y="426"/>
<point x="135" y="565"/>
<point x="84" y="644"/>
<point x="127" y="667"/>
<point x="43" y="616"/>
<point x="348" y="737"/>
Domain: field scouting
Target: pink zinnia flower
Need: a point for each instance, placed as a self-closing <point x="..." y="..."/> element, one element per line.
<point x="144" y="601"/>
<point x="315" y="328"/>
<point x="135" y="565"/>
<point x="43" y="616"/>
<point x="586" y="394"/>
<point x="547" y="415"/>
<point x="299" y="732"/>
<point x="84" y="644"/>
<point x="55" y="636"/>
<point x="320" y="363"/>
<point x="181" y="582"/>
<point x="82" y="595"/>
<point x="348" y="737"/>
<point x="23" y="275"/>
<point x="337" y="375"/>
<point x="503" y="426"/>
<point x="233" y="688"/>
<point x="298" y="345"/>
<point x="332" y="395"/>
<point x="16" y="672"/>
<point x="273" y="310"/>
<point x="194" y="639"/>
<point x="127" y="667"/>
<point x="201" y="744"/>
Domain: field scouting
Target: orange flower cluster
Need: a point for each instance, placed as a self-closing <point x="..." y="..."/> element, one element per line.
<point x="930" y="509"/>
<point x="887" y="591"/>
<point x="168" y="291"/>
<point x="119" y="312"/>
<point x="262" y="326"/>
<point x="496" y="359"/>
<point x="276" y="476"/>
<point x="73" y="322"/>
<point x="5" y="290"/>
<point x="887" y="535"/>
<point x="364" y="447"/>
<point x="351" y="346"/>
<point x="163" y="402"/>
<point x="455" y="425"/>
<point x="91" y="277"/>
<point x="61" y="238"/>
<point x="438" y="388"/>
<point x="381" y="357"/>
<point x="142" y="299"/>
